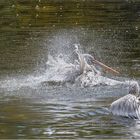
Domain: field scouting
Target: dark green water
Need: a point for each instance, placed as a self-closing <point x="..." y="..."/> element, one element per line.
<point x="29" y="30"/>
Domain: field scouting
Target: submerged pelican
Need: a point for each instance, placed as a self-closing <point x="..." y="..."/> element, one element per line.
<point x="129" y="105"/>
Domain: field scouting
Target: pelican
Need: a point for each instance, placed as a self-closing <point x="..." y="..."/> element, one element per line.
<point x="89" y="75"/>
<point x="82" y="71"/>
<point x="129" y="105"/>
<point x="84" y="66"/>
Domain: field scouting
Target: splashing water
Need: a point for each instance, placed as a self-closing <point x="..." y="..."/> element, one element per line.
<point x="59" y="72"/>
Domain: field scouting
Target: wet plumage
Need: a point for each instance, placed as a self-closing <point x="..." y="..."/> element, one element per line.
<point x="129" y="105"/>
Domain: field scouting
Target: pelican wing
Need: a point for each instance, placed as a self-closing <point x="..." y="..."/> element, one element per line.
<point x="127" y="106"/>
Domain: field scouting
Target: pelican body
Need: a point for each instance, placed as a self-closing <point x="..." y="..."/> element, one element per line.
<point x="129" y="105"/>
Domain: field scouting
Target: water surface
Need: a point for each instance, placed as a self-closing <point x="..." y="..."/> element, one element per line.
<point x="30" y="30"/>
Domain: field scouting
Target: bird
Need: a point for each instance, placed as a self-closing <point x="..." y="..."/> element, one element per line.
<point x="83" y="62"/>
<point x="128" y="105"/>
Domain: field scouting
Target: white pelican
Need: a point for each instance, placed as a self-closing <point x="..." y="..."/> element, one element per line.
<point x="84" y="66"/>
<point x="129" y="105"/>
<point x="81" y="72"/>
<point x="89" y="75"/>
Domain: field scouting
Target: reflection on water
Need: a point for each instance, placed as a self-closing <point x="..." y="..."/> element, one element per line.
<point x="88" y="119"/>
<point x="109" y="30"/>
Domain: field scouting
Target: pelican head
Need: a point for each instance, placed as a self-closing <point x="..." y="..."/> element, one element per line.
<point x="87" y="58"/>
<point x="134" y="88"/>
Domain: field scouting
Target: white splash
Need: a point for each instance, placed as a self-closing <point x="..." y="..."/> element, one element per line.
<point x="58" y="70"/>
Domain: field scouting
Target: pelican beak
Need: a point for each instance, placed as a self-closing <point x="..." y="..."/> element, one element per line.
<point x="109" y="69"/>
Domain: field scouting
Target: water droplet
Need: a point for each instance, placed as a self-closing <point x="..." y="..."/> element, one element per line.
<point x="136" y="28"/>
<point x="37" y="7"/>
<point x="37" y="15"/>
<point x="61" y="8"/>
<point x="13" y="6"/>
